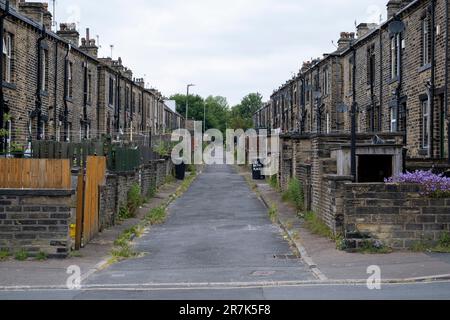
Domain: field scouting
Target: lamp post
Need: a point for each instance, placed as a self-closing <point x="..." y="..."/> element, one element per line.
<point x="187" y="102"/>
<point x="204" y="117"/>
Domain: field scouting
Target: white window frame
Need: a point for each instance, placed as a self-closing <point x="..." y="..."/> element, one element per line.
<point x="425" y="106"/>
<point x="394" y="119"/>
<point x="425" y="41"/>
<point x="44" y="70"/>
<point x="7" y="55"/>
<point x="395" y="65"/>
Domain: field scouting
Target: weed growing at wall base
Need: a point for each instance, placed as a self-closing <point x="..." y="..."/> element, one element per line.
<point x="4" y="254"/>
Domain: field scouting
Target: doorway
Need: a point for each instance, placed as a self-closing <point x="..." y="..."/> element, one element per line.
<point x="374" y="168"/>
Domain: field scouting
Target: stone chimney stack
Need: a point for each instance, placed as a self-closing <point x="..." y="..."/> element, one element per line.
<point x="345" y="40"/>
<point x="365" y="28"/>
<point x="140" y="82"/>
<point x="393" y="7"/>
<point x="88" y="45"/>
<point x="36" y="11"/>
<point x="68" y="31"/>
<point x="15" y="4"/>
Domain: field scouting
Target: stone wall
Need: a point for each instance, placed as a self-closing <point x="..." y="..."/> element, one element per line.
<point x="114" y="193"/>
<point x="398" y="215"/>
<point x="36" y="220"/>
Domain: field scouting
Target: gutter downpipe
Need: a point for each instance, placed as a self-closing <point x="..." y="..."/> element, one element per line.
<point x="447" y="8"/>
<point x="55" y="93"/>
<point x="2" y="95"/>
<point x="38" y="109"/>
<point x="433" y="73"/>
<point x="353" y="117"/>
<point x="66" y="93"/>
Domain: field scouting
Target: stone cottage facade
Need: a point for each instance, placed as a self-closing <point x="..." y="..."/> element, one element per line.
<point x="394" y="76"/>
<point x="55" y="87"/>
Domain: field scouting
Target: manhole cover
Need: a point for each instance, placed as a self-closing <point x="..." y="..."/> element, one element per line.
<point x="263" y="273"/>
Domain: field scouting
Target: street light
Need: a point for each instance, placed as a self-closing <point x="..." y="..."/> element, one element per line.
<point x="187" y="102"/>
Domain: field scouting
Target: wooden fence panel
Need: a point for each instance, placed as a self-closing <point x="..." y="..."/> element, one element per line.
<point x="95" y="176"/>
<point x="35" y="174"/>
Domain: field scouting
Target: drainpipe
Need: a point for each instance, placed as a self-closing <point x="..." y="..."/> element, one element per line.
<point x="118" y="102"/>
<point x="447" y="8"/>
<point x="380" y="109"/>
<point x="432" y="80"/>
<point x="433" y="72"/>
<point x="302" y="110"/>
<point x="353" y="118"/>
<point x="85" y="100"/>
<point x="2" y="96"/>
<point x="66" y="94"/>
<point x="38" y="110"/>
<point x="55" y="91"/>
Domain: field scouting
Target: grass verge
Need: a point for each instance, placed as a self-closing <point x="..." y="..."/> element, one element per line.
<point x="443" y="245"/>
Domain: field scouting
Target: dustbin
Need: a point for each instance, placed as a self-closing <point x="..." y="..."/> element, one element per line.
<point x="257" y="168"/>
<point x="180" y="170"/>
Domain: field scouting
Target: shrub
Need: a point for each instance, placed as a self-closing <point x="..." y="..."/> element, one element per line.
<point x="21" y="255"/>
<point x="41" y="256"/>
<point x="156" y="216"/>
<point x="273" y="213"/>
<point x="124" y="213"/>
<point x="4" y="254"/>
<point x="273" y="181"/>
<point x="294" y="194"/>
<point x="314" y="224"/>
<point x="436" y="186"/>
<point x="134" y="199"/>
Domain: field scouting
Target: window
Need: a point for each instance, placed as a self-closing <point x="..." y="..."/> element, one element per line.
<point x="425" y="124"/>
<point x="7" y="57"/>
<point x="350" y="74"/>
<point x="371" y="65"/>
<point x="394" y="122"/>
<point x="402" y="118"/>
<point x="426" y="41"/>
<point x="307" y="90"/>
<point x="395" y="66"/>
<point x="111" y="91"/>
<point x="127" y="98"/>
<point x="44" y="71"/>
<point x="70" y="79"/>
<point x="89" y="87"/>
<point x="326" y="81"/>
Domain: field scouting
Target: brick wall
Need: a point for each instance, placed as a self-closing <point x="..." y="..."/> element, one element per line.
<point x="37" y="220"/>
<point x="395" y="214"/>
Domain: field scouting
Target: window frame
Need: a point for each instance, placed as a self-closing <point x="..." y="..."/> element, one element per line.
<point x="7" y="57"/>
<point x="425" y="111"/>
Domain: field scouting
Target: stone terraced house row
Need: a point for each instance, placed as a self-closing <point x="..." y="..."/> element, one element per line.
<point x="395" y="76"/>
<point x="55" y="87"/>
<point x="401" y="84"/>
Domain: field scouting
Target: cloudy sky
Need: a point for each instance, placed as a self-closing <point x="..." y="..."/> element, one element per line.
<point x="225" y="47"/>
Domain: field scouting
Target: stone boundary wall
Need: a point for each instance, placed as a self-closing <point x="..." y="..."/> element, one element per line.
<point x="36" y="220"/>
<point x="114" y="194"/>
<point x="398" y="215"/>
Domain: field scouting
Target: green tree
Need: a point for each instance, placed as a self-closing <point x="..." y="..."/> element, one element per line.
<point x="242" y="114"/>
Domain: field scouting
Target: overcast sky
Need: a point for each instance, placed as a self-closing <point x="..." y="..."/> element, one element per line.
<point x="225" y="47"/>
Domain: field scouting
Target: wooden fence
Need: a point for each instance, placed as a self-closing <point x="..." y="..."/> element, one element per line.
<point x="88" y="200"/>
<point x="35" y="174"/>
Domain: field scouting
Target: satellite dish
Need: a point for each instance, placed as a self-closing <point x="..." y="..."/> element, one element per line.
<point x="396" y="27"/>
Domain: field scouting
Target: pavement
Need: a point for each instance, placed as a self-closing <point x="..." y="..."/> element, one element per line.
<point x="218" y="243"/>
<point x="94" y="256"/>
<point x="217" y="232"/>
<point x="329" y="264"/>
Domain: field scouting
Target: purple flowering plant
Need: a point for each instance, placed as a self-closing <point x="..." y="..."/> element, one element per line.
<point x="435" y="185"/>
